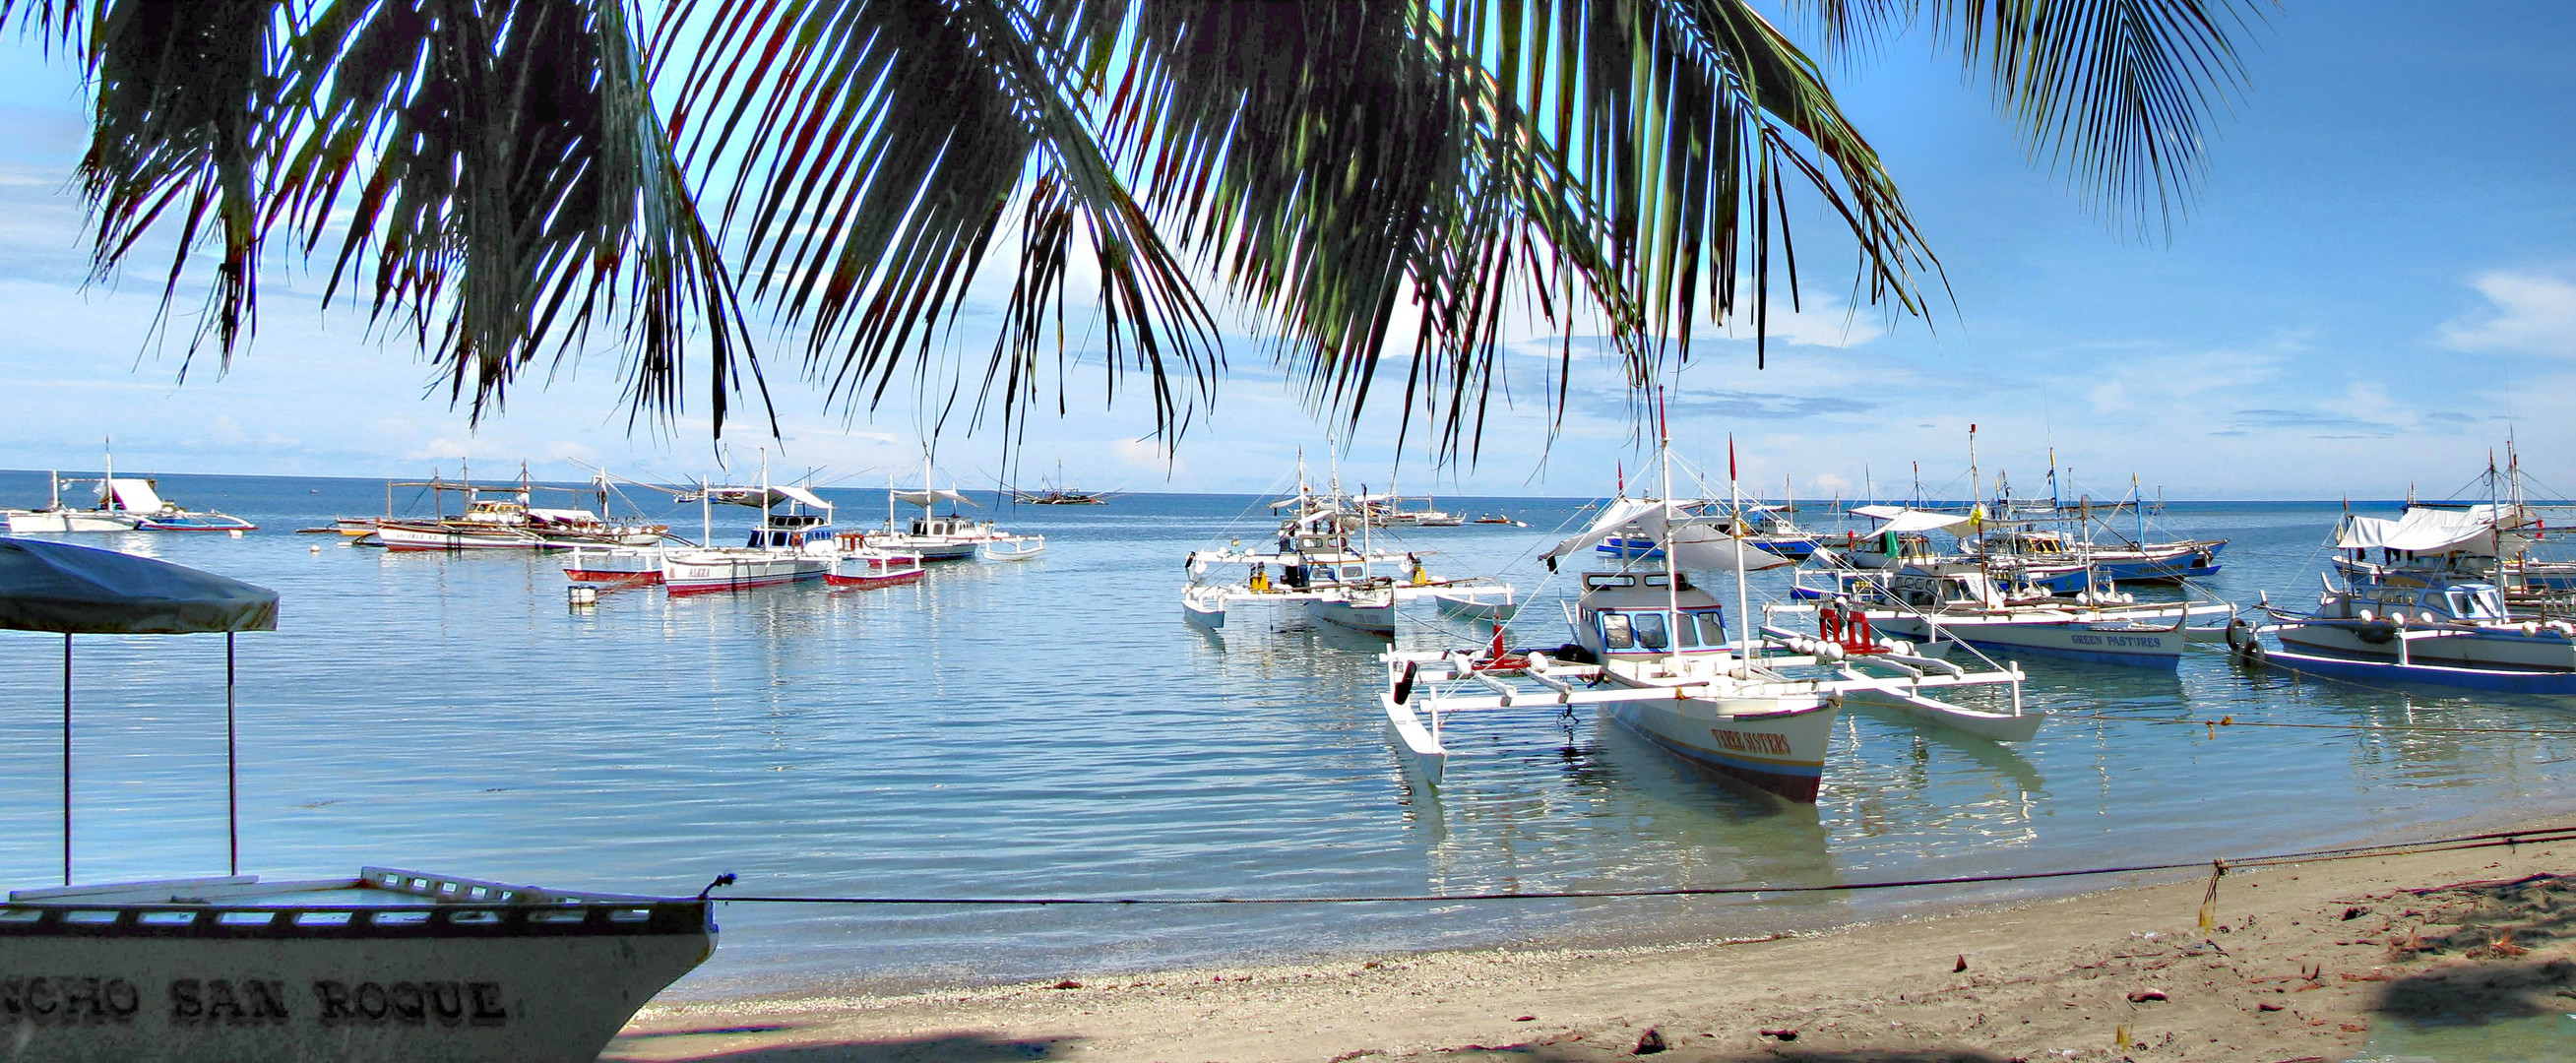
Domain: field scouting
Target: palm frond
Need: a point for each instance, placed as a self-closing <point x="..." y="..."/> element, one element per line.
<point x="870" y="152"/>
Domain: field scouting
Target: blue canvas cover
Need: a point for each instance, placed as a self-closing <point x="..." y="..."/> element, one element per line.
<point x="48" y="586"/>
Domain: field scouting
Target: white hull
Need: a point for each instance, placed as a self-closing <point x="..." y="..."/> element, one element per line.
<point x="1015" y="548"/>
<point x="317" y="976"/>
<point x="1983" y="723"/>
<point x="1775" y="743"/>
<point x="394" y="536"/>
<point x="1375" y="618"/>
<point x="694" y="571"/>
<point x="2482" y="647"/>
<point x="65" y="521"/>
<point x="2118" y="642"/>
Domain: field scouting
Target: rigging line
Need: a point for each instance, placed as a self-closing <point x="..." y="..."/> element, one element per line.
<point x="2460" y="843"/>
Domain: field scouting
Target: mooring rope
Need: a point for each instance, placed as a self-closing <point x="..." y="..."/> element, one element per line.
<point x="2360" y="852"/>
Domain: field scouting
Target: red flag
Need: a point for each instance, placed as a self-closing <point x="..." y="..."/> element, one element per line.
<point x="1623" y="478"/>
<point x="1730" y="455"/>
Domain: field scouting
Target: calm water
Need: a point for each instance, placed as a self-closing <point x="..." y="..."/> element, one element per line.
<point x="1054" y="728"/>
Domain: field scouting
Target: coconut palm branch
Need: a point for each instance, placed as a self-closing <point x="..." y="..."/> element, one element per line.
<point x="1344" y="177"/>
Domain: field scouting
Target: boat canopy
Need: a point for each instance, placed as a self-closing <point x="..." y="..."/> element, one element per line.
<point x="2423" y="530"/>
<point x="927" y="497"/>
<point x="765" y="497"/>
<point x="1693" y="542"/>
<point x="1901" y="519"/>
<point x="47" y="586"/>
<point x="135" y="496"/>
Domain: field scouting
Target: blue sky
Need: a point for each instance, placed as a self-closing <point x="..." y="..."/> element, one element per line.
<point x="2377" y="280"/>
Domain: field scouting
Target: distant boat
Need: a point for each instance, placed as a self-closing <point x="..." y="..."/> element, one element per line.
<point x="124" y="504"/>
<point x="861" y="568"/>
<point x="1055" y="493"/>
<point x="511" y="521"/>
<point x="785" y="547"/>
<point x="935" y="536"/>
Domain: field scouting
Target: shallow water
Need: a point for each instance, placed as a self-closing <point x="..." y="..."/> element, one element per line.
<point x="1053" y="728"/>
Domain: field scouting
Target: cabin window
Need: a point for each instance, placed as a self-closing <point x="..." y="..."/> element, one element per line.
<point x="1685" y="635"/>
<point x="1614" y="631"/>
<point x="1712" y="629"/>
<point x="1650" y="631"/>
<point x="1354" y="571"/>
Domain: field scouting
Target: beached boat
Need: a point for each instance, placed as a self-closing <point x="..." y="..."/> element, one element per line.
<point x="385" y="965"/>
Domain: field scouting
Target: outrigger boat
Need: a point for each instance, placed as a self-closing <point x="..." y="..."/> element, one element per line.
<point x="387" y="964"/>
<point x="1360" y="587"/>
<point x="1651" y="652"/>
<point x="511" y="521"/>
<point x="935" y="536"/>
<point x="1969" y="603"/>
<point x="1011" y="548"/>
<point x="785" y="547"/>
<point x="124" y="504"/>
<point x="858" y="567"/>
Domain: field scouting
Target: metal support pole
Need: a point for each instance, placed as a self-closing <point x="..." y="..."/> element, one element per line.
<point x="232" y="762"/>
<point x="67" y="758"/>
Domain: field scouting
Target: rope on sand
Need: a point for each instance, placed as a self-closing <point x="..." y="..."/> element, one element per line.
<point x="2360" y="852"/>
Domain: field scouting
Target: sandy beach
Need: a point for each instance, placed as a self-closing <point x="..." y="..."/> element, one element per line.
<point x="2298" y="963"/>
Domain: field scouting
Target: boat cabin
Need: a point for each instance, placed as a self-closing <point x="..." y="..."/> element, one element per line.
<point x="948" y="527"/>
<point x="1639" y="613"/>
<point x="2031" y="543"/>
<point x="789" y="531"/>
<point x="2465" y="602"/>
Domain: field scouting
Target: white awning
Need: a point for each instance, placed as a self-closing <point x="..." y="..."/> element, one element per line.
<point x="1618" y="514"/>
<point x="1698" y="547"/>
<point x="135" y="496"/>
<point x="2434" y="531"/>
<point x="931" y="496"/>
<point x="763" y="498"/>
<point x="1901" y="519"/>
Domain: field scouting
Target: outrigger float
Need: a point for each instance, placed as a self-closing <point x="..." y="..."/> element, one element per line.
<point x="385" y="965"/>
<point x="1650" y="650"/>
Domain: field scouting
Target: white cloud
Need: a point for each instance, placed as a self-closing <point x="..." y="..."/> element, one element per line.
<point x="2528" y="312"/>
<point x="1147" y="455"/>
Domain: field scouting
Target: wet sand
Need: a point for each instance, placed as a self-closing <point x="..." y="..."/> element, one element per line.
<point x="2298" y="963"/>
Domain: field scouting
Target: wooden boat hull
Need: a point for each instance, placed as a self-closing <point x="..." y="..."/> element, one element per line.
<point x="310" y="981"/>
<point x="67" y="521"/>
<point x="1771" y="744"/>
<point x="2546" y="651"/>
<point x="1371" y="618"/>
<point x="2504" y="680"/>
<point x="702" y="574"/>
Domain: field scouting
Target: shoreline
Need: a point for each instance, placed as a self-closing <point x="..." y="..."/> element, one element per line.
<point x="2301" y="961"/>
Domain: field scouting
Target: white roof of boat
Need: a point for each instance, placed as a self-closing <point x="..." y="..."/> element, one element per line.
<point x="2425" y="530"/>
<point x="1901" y="519"/>
<point x="924" y="497"/>
<point x="136" y="495"/>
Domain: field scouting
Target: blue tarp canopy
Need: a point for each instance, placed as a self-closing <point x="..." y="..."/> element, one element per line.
<point x="47" y="586"/>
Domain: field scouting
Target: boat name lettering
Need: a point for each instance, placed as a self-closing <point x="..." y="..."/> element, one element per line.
<point x="1751" y="742"/>
<point x="410" y="1003"/>
<point x="49" y="1000"/>
<point x="2144" y="641"/>
<point x="221" y="1000"/>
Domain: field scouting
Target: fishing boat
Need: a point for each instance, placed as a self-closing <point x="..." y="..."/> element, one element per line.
<point x="792" y="545"/>
<point x="856" y="567"/>
<point x="1650" y="651"/>
<point x="382" y="965"/>
<point x="124" y="504"/>
<point x="1055" y="493"/>
<point x="935" y="536"/>
<point x="1985" y="609"/>
<point x="1318" y="568"/>
<point x="510" y="521"/>
<point x="1500" y="518"/>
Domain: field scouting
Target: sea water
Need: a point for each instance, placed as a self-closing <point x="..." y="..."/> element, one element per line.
<point x="1055" y="729"/>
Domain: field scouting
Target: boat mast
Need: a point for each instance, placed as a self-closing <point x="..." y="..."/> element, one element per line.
<point x="107" y="485"/>
<point x="706" y="515"/>
<point x="1672" y="583"/>
<point x="1743" y="603"/>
